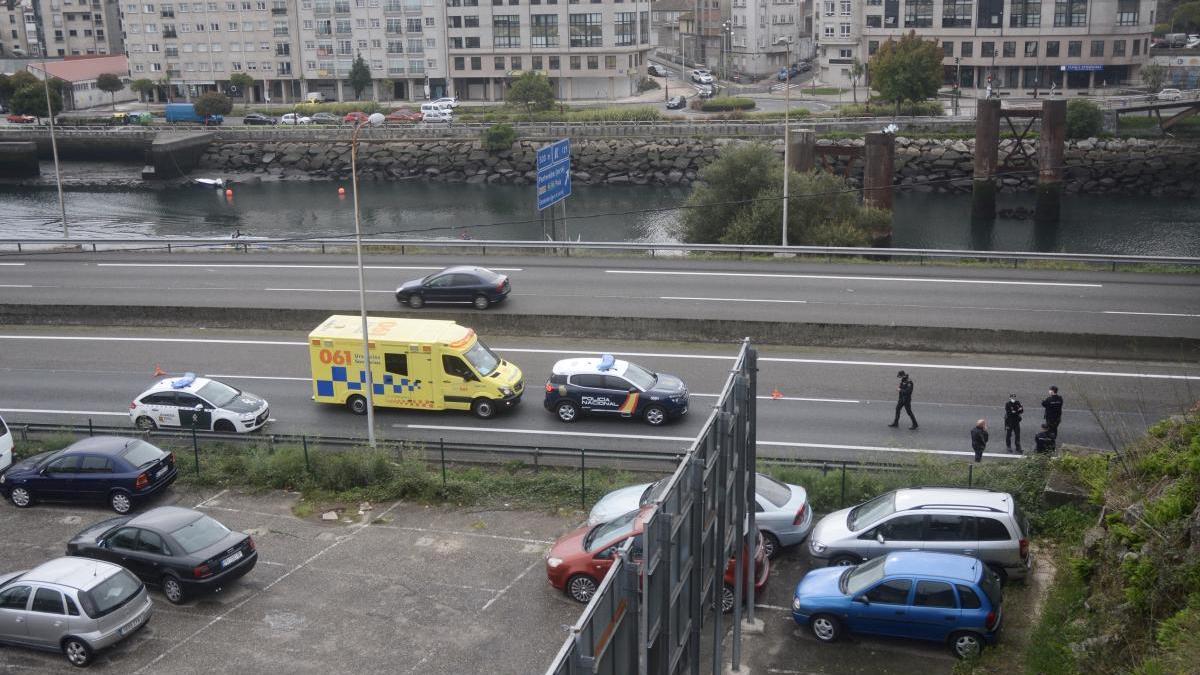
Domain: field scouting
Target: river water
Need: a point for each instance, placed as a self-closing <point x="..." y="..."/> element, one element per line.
<point x="1090" y="224"/>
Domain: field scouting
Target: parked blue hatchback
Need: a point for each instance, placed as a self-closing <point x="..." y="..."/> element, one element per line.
<point x="113" y="469"/>
<point x="941" y="597"/>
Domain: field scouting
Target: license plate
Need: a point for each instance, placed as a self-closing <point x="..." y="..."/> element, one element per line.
<point x="231" y="559"/>
<point x="162" y="472"/>
<point x="131" y="626"/>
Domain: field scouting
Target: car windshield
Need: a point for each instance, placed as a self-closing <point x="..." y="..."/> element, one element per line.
<point x="200" y="534"/>
<point x="652" y="491"/>
<point x="869" y="513"/>
<point x="482" y="359"/>
<point x="858" y="579"/>
<point x="217" y="393"/>
<point x="141" y="453"/>
<point x="772" y="490"/>
<point x="606" y="532"/>
<point x="639" y="376"/>
<point x="110" y="594"/>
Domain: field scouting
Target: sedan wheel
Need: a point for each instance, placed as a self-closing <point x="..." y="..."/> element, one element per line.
<point x="727" y="599"/>
<point x="78" y="653"/>
<point x="172" y="589"/>
<point x="567" y="411"/>
<point x="843" y="561"/>
<point x="771" y="545"/>
<point x="145" y="424"/>
<point x="120" y="502"/>
<point x="21" y="497"/>
<point x="415" y="301"/>
<point x="825" y="628"/>
<point x="581" y="588"/>
<point x="481" y="302"/>
<point x="966" y="645"/>
<point x="224" y="426"/>
<point x="655" y="416"/>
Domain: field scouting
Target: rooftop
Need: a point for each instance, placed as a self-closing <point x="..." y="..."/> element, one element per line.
<point x="83" y="68"/>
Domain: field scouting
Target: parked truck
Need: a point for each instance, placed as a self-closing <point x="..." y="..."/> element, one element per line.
<point x="186" y="112"/>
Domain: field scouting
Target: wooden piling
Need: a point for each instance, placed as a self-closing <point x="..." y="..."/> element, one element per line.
<point x="803" y="151"/>
<point x="879" y="173"/>
<point x="987" y="150"/>
<point x="1051" y="144"/>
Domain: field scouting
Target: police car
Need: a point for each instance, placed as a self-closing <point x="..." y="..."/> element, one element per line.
<point x="607" y="385"/>
<point x="173" y="403"/>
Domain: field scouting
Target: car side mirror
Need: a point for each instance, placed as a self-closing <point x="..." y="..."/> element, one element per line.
<point x="879" y="537"/>
<point x="633" y="390"/>
<point x="605" y="554"/>
<point x="863" y="599"/>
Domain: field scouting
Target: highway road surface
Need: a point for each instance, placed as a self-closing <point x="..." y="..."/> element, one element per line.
<point x="1166" y="305"/>
<point x="832" y="404"/>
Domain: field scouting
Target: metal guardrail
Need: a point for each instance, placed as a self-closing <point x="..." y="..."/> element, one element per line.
<point x="649" y="248"/>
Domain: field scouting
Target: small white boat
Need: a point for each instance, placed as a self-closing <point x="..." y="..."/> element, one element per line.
<point x="210" y="182"/>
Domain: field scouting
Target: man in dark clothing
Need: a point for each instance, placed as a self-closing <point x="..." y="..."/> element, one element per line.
<point x="1012" y="422"/>
<point x="1044" y="440"/>
<point x="1053" y="405"/>
<point x="904" y="401"/>
<point x="979" y="439"/>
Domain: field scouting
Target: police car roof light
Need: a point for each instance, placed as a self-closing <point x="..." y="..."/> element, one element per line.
<point x="184" y="382"/>
<point x="607" y="362"/>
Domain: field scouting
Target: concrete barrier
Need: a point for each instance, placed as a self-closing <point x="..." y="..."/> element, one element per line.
<point x="911" y="338"/>
<point x="175" y="155"/>
<point x="19" y="160"/>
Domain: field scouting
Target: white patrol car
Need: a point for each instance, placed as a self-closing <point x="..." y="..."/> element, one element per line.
<point x="207" y="404"/>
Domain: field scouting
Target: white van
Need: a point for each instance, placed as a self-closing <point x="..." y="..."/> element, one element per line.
<point x="315" y="97"/>
<point x="6" y="446"/>
<point x="436" y="108"/>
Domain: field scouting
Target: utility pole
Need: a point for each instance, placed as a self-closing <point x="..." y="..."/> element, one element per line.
<point x="787" y="106"/>
<point x="41" y="37"/>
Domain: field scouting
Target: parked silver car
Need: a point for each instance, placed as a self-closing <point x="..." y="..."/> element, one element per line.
<point x="781" y="510"/>
<point x="981" y="523"/>
<point x="73" y="605"/>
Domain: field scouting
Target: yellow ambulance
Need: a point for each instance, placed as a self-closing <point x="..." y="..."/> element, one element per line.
<point x="415" y="363"/>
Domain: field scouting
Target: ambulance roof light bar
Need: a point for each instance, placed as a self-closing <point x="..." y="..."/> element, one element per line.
<point x="607" y="362"/>
<point x="184" y="382"/>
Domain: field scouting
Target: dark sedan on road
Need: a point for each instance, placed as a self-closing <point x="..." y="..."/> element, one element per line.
<point x="676" y="103"/>
<point x="258" y="118"/>
<point x="325" y="118"/>
<point x="182" y="551"/>
<point x="119" y="471"/>
<point x="476" y="286"/>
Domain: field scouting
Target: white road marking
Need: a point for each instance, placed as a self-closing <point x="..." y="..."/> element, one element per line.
<point x="876" y="448"/>
<point x="796" y="302"/>
<point x="323" y="290"/>
<point x="63" y="412"/>
<point x="297" y="267"/>
<point x="457" y="533"/>
<point x="837" y="277"/>
<point x="4" y="264"/>
<point x="539" y="432"/>
<point x="999" y="369"/>
<point x="214" y="497"/>
<point x="1186" y="316"/>
<point x="786" y="398"/>
<point x="216" y="376"/>
<point x="512" y="583"/>
<point x="16" y="285"/>
<point x="82" y="338"/>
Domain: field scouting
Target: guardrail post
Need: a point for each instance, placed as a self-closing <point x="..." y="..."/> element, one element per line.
<point x="195" y="446"/>
<point x="970" y="475"/>
<point x="582" y="478"/>
<point x="537" y="467"/>
<point x="442" y="447"/>
<point x="307" y="466"/>
<point x="90" y="432"/>
<point x="843" y="504"/>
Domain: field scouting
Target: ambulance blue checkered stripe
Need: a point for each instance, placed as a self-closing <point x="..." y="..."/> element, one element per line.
<point x="339" y="375"/>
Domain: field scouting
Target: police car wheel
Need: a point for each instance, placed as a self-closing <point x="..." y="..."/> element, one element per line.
<point x="567" y="411"/>
<point x="483" y="408"/>
<point x="481" y="302"/>
<point x="224" y="426"/>
<point x="146" y="424"/>
<point x="654" y="416"/>
<point x="357" y="404"/>
<point x="415" y="301"/>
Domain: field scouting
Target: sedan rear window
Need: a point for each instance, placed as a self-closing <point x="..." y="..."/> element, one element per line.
<point x="200" y="534"/>
<point x="141" y="453"/>
<point x="110" y="594"/>
<point x="772" y="490"/>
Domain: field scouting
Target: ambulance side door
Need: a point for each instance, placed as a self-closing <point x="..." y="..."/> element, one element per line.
<point x="458" y="382"/>
<point x="163" y="408"/>
<point x="406" y="381"/>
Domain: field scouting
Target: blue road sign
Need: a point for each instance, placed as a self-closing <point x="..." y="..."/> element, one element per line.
<point x="553" y="173"/>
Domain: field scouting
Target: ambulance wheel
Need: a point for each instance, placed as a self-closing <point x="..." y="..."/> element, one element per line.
<point x="145" y="424"/>
<point x="655" y="416"/>
<point x="481" y="302"/>
<point x="415" y="301"/>
<point x="566" y="411"/>
<point x="483" y="408"/>
<point x="357" y="404"/>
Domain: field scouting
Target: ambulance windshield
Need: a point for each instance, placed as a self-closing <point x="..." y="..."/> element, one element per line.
<point x="482" y="359"/>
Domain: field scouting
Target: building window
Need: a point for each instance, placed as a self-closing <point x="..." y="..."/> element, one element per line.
<point x="1097" y="48"/>
<point x="476" y="63"/>
<point x="593" y="62"/>
<point x="1010" y="49"/>
<point x="967" y="49"/>
<point x="1070" y="13"/>
<point x="874" y="21"/>
<point x="586" y="30"/>
<point x="991" y="14"/>
<point x="1137" y="44"/>
<point x="844" y="8"/>
<point x="844" y="30"/>
<point x="544" y="30"/>
<point x="872" y="47"/>
<point x="988" y="50"/>
<point x="498" y="63"/>
<point x="957" y="13"/>
<point x="1075" y="48"/>
<point x="1127" y="13"/>
<point x="1052" y="49"/>
<point x="576" y="63"/>
<point x="536" y="60"/>
<point x="506" y="30"/>
<point x="516" y="60"/>
<point x="626" y="27"/>
<point x="1118" y="48"/>
<point x="918" y="14"/>
<point x="1031" y="49"/>
<point x="610" y="62"/>
<point x="1025" y="14"/>
<point x="553" y="60"/>
<point x="948" y="49"/>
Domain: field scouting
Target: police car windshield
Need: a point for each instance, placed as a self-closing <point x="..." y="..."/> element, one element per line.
<point x="218" y="394"/>
<point x="482" y="359"/>
<point x="640" y="377"/>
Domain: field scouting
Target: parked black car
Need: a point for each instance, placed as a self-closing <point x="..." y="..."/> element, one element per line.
<point x="676" y="103"/>
<point x="476" y="286"/>
<point x="182" y="551"/>
<point x="258" y="118"/>
<point x="120" y="471"/>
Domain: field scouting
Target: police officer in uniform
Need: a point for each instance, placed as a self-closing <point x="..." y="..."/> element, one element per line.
<point x="1053" y="405"/>
<point x="1012" y="422"/>
<point x="904" y="400"/>
<point x="1044" y="440"/>
<point x="979" y="439"/>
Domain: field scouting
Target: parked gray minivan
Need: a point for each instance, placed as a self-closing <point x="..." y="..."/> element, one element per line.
<point x="981" y="523"/>
<point x="74" y="605"/>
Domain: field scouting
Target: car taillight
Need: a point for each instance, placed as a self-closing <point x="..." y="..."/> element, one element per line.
<point x="142" y="481"/>
<point x="549" y="388"/>
<point x="800" y="514"/>
<point x="990" y="622"/>
<point x="1024" y="548"/>
<point x="500" y="286"/>
<point x="133" y="405"/>
<point x="170" y="458"/>
<point x="250" y="543"/>
<point x="201" y="571"/>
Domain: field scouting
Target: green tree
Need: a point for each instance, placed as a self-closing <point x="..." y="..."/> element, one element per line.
<point x="31" y="100"/>
<point x="1186" y="17"/>
<point x="1084" y="119"/>
<point x="1153" y="75"/>
<point x="165" y="83"/>
<point x="213" y="103"/>
<point x="857" y="70"/>
<point x="142" y="87"/>
<point x="531" y="91"/>
<point x="908" y="70"/>
<point x="6" y="87"/>
<point x="243" y="82"/>
<point x="111" y="83"/>
<point x="360" y="76"/>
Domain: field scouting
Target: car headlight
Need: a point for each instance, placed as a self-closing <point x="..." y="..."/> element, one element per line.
<point x="816" y="546"/>
<point x="3" y="478"/>
<point x="796" y="604"/>
<point x="553" y="562"/>
<point x="249" y="417"/>
<point x="506" y="391"/>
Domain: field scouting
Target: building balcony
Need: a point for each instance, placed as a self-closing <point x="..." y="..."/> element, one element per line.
<point x="279" y="11"/>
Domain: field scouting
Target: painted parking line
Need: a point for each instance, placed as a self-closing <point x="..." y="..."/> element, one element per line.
<point x="286" y="266"/>
<point x="838" y="277"/>
<point x="16" y="285"/>
<point x="216" y="376"/>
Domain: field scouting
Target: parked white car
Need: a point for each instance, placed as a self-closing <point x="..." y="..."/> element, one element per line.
<point x="1170" y="95"/>
<point x="450" y="102"/>
<point x="701" y="76"/>
<point x="438" y="115"/>
<point x="6" y="446"/>
<point x="295" y="118"/>
<point x="198" y="401"/>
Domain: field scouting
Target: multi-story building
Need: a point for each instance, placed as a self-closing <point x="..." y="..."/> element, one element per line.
<point x="18" y="30"/>
<point x="1011" y="45"/>
<point x="767" y="33"/>
<point x="80" y="27"/>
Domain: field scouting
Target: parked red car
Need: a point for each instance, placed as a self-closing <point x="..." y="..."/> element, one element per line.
<point x="404" y="115"/>
<point x="355" y="117"/>
<point x="579" y="559"/>
<point x="21" y="119"/>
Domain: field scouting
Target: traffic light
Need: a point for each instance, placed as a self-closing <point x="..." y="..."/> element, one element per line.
<point x="956" y="60"/>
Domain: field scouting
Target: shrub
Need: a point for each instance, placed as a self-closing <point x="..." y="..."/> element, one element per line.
<point x="724" y="103"/>
<point x="1084" y="119"/>
<point x="499" y="137"/>
<point x="647" y="84"/>
<point x="885" y="109"/>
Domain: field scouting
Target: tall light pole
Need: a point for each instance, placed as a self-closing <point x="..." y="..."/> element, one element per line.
<point x="62" y="204"/>
<point x="374" y="120"/>
<point x="787" y="106"/>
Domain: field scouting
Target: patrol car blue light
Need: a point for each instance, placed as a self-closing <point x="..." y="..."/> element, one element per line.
<point x="610" y="386"/>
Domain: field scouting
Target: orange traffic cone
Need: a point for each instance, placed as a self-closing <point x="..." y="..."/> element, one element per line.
<point x="158" y="371"/>
<point x="775" y="393"/>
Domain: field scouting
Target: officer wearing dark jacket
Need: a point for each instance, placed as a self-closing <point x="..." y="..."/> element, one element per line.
<point x="979" y="439"/>
<point x="904" y="400"/>
<point x="1012" y="422"/>
<point x="1053" y="405"/>
<point x="1044" y="440"/>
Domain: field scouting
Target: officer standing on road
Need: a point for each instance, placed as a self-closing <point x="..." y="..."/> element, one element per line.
<point x="1053" y="405"/>
<point x="1012" y="422"/>
<point x="904" y="400"/>
<point x="979" y="439"/>
<point x="1044" y="440"/>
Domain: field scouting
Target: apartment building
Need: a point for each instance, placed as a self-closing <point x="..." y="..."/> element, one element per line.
<point x="1013" y="46"/>
<point x="80" y="27"/>
<point x="18" y="30"/>
<point x="769" y="35"/>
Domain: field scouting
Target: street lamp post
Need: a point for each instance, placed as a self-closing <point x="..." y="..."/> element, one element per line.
<point x="787" y="106"/>
<point x="374" y="120"/>
<point x="62" y="204"/>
